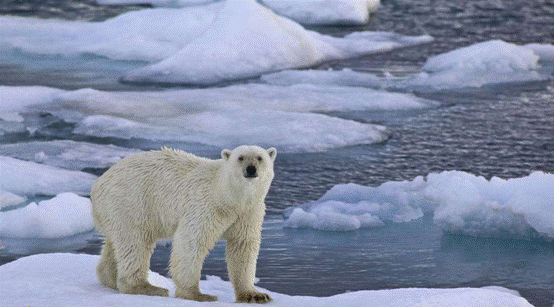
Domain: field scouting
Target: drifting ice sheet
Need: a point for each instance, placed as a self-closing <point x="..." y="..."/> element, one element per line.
<point x="64" y="215"/>
<point x="325" y="12"/>
<point x="473" y="66"/>
<point x="29" y="281"/>
<point x="520" y="208"/>
<point x="30" y="178"/>
<point x="224" y="117"/>
<point x="247" y="40"/>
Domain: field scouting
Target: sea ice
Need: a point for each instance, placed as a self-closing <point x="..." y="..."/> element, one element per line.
<point x="8" y="199"/>
<point x="520" y="208"/>
<point x="222" y="117"/>
<point x="70" y="280"/>
<point x="64" y="215"/>
<point x="30" y="178"/>
<point x="67" y="154"/>
<point x="143" y="35"/>
<point x="314" y="12"/>
<point x="325" y="12"/>
<point x="247" y="40"/>
<point x="201" y="44"/>
<point x="477" y="65"/>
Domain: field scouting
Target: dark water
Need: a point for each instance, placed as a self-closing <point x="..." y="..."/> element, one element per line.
<point x="505" y="130"/>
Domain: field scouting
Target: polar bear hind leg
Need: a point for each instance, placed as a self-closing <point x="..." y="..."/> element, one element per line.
<point x="106" y="271"/>
<point x="133" y="263"/>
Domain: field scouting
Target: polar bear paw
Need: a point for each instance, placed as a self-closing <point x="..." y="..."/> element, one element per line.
<point x="253" y="297"/>
<point x="147" y="289"/>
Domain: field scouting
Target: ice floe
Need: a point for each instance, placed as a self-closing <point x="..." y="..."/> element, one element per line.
<point x="67" y="154"/>
<point x="224" y="117"/>
<point x="70" y="280"/>
<point x="485" y="63"/>
<point x="520" y="208"/>
<point x="202" y="44"/>
<point x="325" y="12"/>
<point x="246" y="40"/>
<point x="312" y="12"/>
<point x="28" y="178"/>
<point x="64" y="215"/>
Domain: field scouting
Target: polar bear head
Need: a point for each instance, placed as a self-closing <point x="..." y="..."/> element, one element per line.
<point x="250" y="163"/>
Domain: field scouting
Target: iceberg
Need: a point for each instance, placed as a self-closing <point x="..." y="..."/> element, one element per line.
<point x="461" y="203"/>
<point x="28" y="281"/>
<point x="478" y="65"/>
<point x="64" y="215"/>
<point x="29" y="178"/>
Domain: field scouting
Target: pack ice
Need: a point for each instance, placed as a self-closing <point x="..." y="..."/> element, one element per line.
<point x="518" y="208"/>
<point x="477" y="65"/>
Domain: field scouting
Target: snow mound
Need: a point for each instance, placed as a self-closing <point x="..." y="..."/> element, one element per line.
<point x="67" y="154"/>
<point x="30" y="178"/>
<point x="64" y="215"/>
<point x="220" y="117"/>
<point x="247" y="40"/>
<point x="70" y="280"/>
<point x="477" y="65"/>
<point x="520" y="208"/>
<point x="325" y="12"/>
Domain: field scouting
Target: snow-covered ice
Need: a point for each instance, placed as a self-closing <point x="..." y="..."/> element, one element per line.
<point x="70" y="280"/>
<point x="143" y="35"/>
<point x="9" y="199"/>
<point x="67" y="154"/>
<point x="325" y="12"/>
<point x="477" y="65"/>
<point x="313" y="12"/>
<point x="202" y="44"/>
<point x="28" y="178"/>
<point x="64" y="215"/>
<point x="247" y="40"/>
<point x="289" y="117"/>
<point x="520" y="208"/>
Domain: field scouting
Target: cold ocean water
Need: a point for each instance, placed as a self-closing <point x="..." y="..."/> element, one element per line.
<point x="504" y="130"/>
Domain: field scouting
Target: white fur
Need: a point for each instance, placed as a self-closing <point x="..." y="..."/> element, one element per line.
<point x="196" y="201"/>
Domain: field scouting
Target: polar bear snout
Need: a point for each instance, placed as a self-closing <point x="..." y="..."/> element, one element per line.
<point x="251" y="171"/>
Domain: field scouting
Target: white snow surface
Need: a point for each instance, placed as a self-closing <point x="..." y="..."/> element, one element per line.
<point x="520" y="208"/>
<point x="288" y="117"/>
<point x="325" y="12"/>
<point x="30" y="178"/>
<point x="9" y="199"/>
<point x="477" y="65"/>
<point x="64" y="215"/>
<point x="70" y="280"/>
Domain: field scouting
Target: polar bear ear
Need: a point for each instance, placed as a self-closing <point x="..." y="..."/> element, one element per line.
<point x="225" y="154"/>
<point x="272" y="152"/>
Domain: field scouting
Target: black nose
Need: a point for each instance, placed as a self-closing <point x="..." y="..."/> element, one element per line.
<point x="251" y="171"/>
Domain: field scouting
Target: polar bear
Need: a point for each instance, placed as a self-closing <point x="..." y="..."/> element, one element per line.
<point x="196" y="201"/>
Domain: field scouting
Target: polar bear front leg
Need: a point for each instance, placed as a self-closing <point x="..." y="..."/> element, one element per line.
<point x="190" y="248"/>
<point x="243" y="245"/>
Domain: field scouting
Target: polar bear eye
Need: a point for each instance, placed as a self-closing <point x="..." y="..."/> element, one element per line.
<point x="241" y="158"/>
<point x="259" y="158"/>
